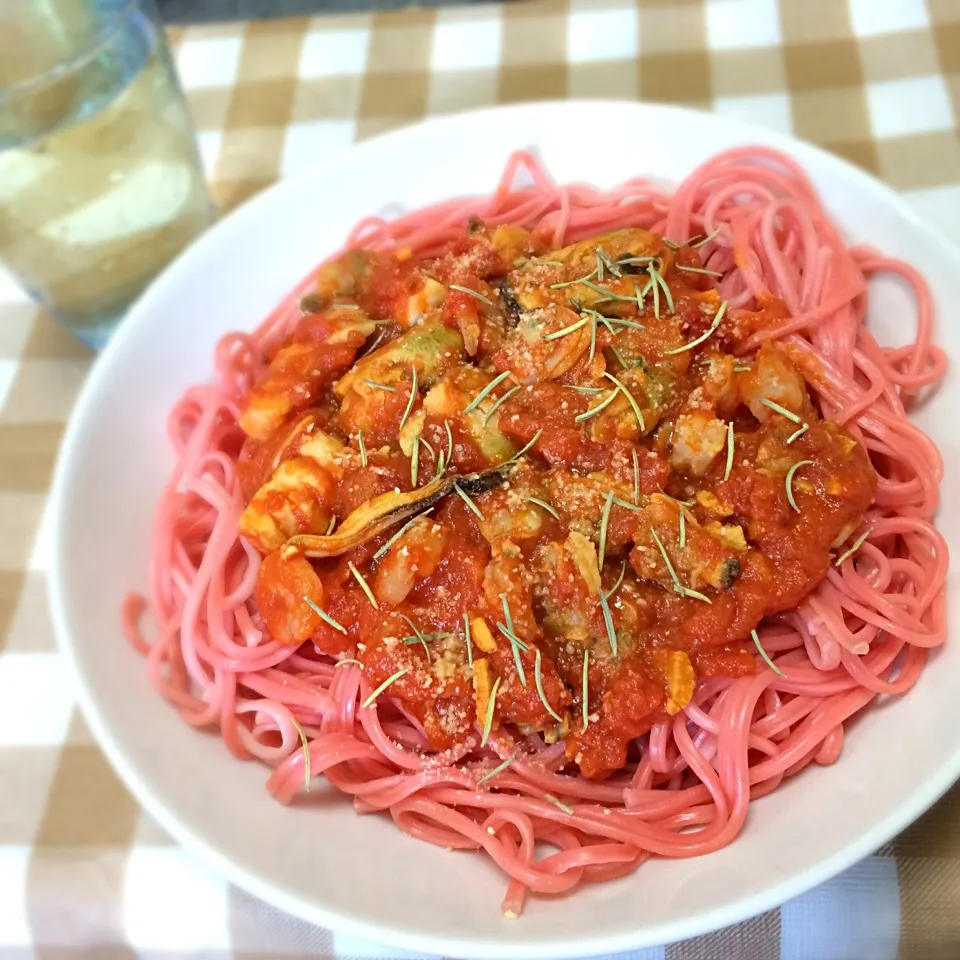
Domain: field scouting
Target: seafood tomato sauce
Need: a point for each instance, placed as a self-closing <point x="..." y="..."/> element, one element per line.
<point x="538" y="489"/>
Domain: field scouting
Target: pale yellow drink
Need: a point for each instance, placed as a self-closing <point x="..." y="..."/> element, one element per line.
<point x="100" y="182"/>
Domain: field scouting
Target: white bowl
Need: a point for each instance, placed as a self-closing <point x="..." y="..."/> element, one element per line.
<point x="358" y="874"/>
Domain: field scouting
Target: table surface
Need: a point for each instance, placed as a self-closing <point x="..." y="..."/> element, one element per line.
<point x="204" y="11"/>
<point x="83" y="871"/>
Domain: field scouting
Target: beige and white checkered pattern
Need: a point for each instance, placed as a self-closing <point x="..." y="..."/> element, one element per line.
<point x="83" y="873"/>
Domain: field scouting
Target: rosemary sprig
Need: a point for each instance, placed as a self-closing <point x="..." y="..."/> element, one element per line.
<point x="529" y="445"/>
<point x="498" y="401"/>
<point x="789" y="482"/>
<point x="582" y="322"/>
<point x="393" y="678"/>
<point x="330" y="526"/>
<point x="441" y="466"/>
<point x="415" y="464"/>
<point x="571" y="283"/>
<point x="492" y="385"/>
<point x="666" y="289"/>
<point x="584" y="691"/>
<point x="580" y="389"/>
<point x="636" y="477"/>
<point x="467" y="638"/>
<point x="379" y="386"/>
<point x="414" y="390"/>
<point x="677" y="585"/>
<point x="544" y="506"/>
<point x="305" y="746"/>
<point x="467" y="499"/>
<point x="507" y="614"/>
<point x="593" y="411"/>
<point x="608" y="623"/>
<point x="798" y="433"/>
<point x="422" y="640"/>
<point x="473" y="293"/>
<point x="624" y="322"/>
<point x="550" y="798"/>
<point x="363" y="449"/>
<point x="729" y="464"/>
<point x="324" y="616"/>
<point x="630" y="397"/>
<point x="446" y="424"/>
<point x="612" y="265"/>
<point x="703" y="336"/>
<point x="488" y="719"/>
<point x="783" y="411"/>
<point x="604" y="523"/>
<point x="683" y="528"/>
<point x="400" y="533"/>
<point x="516" y="643"/>
<point x="347" y="661"/>
<point x="710" y="273"/>
<point x="364" y="586"/>
<point x="652" y="270"/>
<point x="857" y="544"/>
<point x="620" y="359"/>
<point x="538" y="677"/>
<point x="498" y="769"/>
<point x="707" y="238"/>
<point x="418" y="634"/>
<point x="766" y="658"/>
<point x="616" y="586"/>
<point x="608" y="294"/>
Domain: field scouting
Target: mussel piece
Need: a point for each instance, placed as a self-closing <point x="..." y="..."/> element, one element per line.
<point x="384" y="333"/>
<point x="511" y="308"/>
<point x="431" y="348"/>
<point x="731" y="571"/>
<point x="380" y="513"/>
<point x="311" y="304"/>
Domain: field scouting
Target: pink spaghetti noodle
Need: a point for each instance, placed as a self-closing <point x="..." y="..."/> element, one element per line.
<point x="864" y="631"/>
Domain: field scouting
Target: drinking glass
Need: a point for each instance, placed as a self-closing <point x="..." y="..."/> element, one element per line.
<point x="100" y="179"/>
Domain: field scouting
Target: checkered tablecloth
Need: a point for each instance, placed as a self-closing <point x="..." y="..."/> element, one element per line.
<point x="83" y="872"/>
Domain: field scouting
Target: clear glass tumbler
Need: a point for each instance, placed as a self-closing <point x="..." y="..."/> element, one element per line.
<point x="100" y="179"/>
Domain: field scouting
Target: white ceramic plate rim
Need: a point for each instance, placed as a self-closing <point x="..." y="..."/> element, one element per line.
<point x="921" y="798"/>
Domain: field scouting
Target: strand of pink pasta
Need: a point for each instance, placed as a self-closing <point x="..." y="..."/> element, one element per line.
<point x="866" y="630"/>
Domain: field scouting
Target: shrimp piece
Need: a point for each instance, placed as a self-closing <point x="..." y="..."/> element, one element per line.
<point x="720" y="383"/>
<point x="342" y="277"/>
<point x="449" y="399"/>
<point x="529" y="356"/>
<point x="775" y="378"/>
<point x="568" y="582"/>
<point x="431" y="349"/>
<point x="298" y="498"/>
<point x="299" y="371"/>
<point x="508" y="516"/>
<point x="580" y="499"/>
<point x="703" y="561"/>
<point x="412" y="558"/>
<point x="411" y="309"/>
<point x="282" y="591"/>
<point x="697" y="438"/>
<point x="506" y="576"/>
<point x="531" y="285"/>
